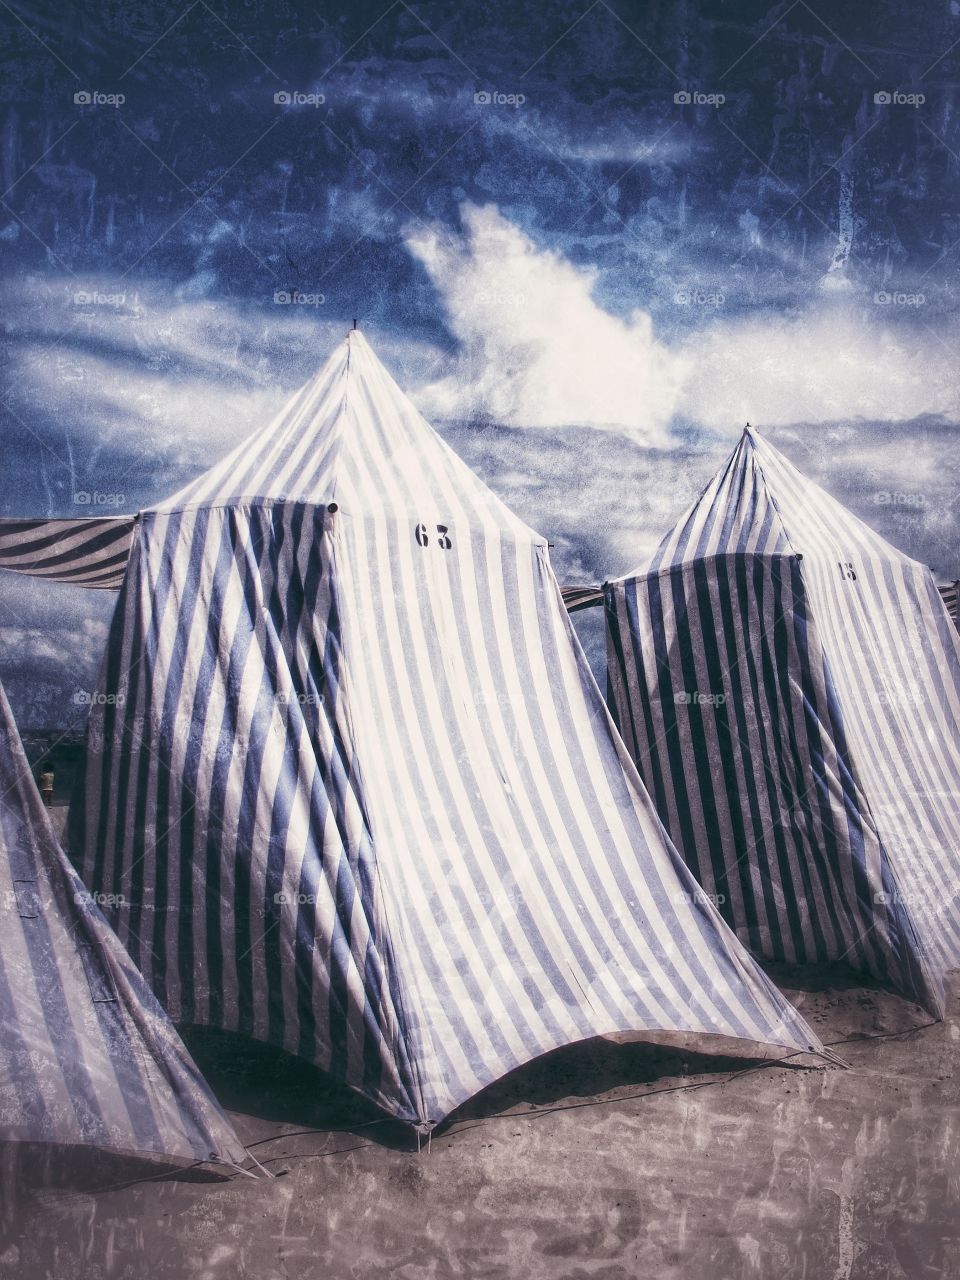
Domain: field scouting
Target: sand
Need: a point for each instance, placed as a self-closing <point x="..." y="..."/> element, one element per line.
<point x="598" y="1161"/>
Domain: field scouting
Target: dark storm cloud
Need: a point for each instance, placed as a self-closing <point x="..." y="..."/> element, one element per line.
<point x="199" y="170"/>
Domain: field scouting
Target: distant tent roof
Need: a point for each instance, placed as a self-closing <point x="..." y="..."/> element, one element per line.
<point x="357" y="788"/>
<point x="87" y="1057"/>
<point x="789" y="686"/>
<point x="86" y="552"/>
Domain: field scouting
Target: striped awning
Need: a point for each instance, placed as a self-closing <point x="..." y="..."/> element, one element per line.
<point x="577" y="598"/>
<point x="88" y="552"/>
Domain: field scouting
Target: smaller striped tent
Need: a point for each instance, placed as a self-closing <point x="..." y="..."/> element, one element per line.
<point x="789" y="686"/>
<point x="356" y="790"/>
<point x="90" y="552"/>
<point x="87" y="1056"/>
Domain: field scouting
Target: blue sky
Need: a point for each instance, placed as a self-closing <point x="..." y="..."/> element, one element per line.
<point x="590" y="239"/>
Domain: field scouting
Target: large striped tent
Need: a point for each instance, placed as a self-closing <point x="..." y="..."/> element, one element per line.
<point x="789" y="686"/>
<point x="87" y="1056"/>
<point x="350" y="774"/>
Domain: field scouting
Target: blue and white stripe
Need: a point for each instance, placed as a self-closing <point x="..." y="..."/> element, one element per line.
<point x="89" y="552"/>
<point x="87" y="1056"/>
<point x="789" y="687"/>
<point x="359" y="789"/>
<point x="950" y="595"/>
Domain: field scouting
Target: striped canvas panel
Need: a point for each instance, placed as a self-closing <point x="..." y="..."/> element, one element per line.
<point x="950" y="594"/>
<point x="222" y="799"/>
<point x="895" y="662"/>
<point x="787" y="687"/>
<point x="87" y="1057"/>
<point x="577" y="598"/>
<point x="90" y="552"/>
<point x="358" y="790"/>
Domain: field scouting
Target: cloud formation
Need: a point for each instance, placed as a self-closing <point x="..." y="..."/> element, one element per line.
<point x="538" y="349"/>
<point x="826" y="364"/>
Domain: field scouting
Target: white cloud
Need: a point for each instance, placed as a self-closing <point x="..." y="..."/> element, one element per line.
<point x="824" y="365"/>
<point x="537" y="350"/>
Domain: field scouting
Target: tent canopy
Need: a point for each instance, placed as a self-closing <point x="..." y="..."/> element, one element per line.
<point x="87" y="1056"/>
<point x="788" y="684"/>
<point x="357" y="788"/>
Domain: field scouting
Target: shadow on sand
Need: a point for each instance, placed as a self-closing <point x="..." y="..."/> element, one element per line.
<point x="261" y="1081"/>
<point x="29" y="1170"/>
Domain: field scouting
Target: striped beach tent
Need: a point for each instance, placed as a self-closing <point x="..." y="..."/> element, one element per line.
<point x="87" y="1056"/>
<point x="356" y="789"/>
<point x="788" y="684"/>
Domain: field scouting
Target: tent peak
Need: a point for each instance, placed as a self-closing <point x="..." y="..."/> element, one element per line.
<point x="355" y="339"/>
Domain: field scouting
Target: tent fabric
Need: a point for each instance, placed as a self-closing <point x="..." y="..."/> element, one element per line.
<point x="358" y="789"/>
<point x="789" y="686"/>
<point x="87" y="1056"/>
<point x="89" y="552"/>
<point x="577" y="598"/>
<point x="950" y="594"/>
